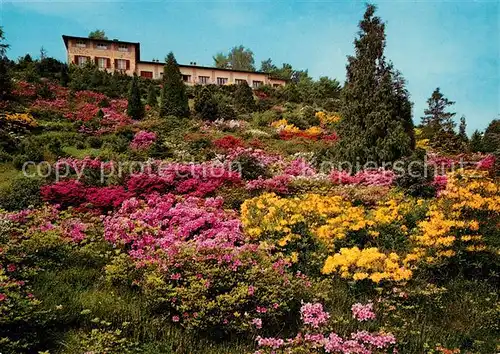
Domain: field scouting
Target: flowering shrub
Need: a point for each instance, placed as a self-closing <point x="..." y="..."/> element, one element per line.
<point x="228" y="142"/>
<point x="378" y="177"/>
<point x="318" y="338"/>
<point x="74" y="193"/>
<point x="19" y="118"/>
<point x="143" y="140"/>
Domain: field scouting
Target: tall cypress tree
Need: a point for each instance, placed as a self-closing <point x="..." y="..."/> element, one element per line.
<point x="174" y="100"/>
<point x="135" y="108"/>
<point x="376" y="123"/>
<point x="152" y="96"/>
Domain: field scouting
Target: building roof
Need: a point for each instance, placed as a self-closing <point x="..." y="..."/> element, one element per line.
<point x="136" y="44"/>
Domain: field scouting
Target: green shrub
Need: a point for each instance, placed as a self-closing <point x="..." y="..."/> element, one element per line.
<point x="5" y="156"/>
<point x="115" y="143"/>
<point x="265" y="118"/>
<point x="94" y="142"/>
<point x="296" y="119"/>
<point x="249" y="167"/>
<point x="19" y="160"/>
<point x="21" y="193"/>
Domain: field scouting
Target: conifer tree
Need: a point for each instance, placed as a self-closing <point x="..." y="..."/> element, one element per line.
<point x="243" y="98"/>
<point x="5" y="79"/>
<point x="135" y="108"/>
<point x="437" y="119"/>
<point x="376" y="123"/>
<point x="205" y="105"/>
<point x="174" y="100"/>
<point x="491" y="137"/>
<point x="476" y="142"/>
<point x="462" y="130"/>
<point x="152" y="96"/>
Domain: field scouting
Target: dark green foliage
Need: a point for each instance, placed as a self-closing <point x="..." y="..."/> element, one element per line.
<point x="414" y="176"/>
<point x="174" y="100"/>
<point x="436" y="118"/>
<point x="5" y="80"/>
<point x="94" y="142"/>
<point x="476" y="142"/>
<point x="243" y="98"/>
<point x="19" y="160"/>
<point x="152" y="99"/>
<point x="376" y="120"/>
<point x="249" y="168"/>
<point x="64" y="76"/>
<point x="21" y="193"/>
<point x="226" y="111"/>
<point x="491" y="138"/>
<point x="462" y="133"/>
<point x="205" y="105"/>
<point x="135" y="108"/>
<point x="5" y="156"/>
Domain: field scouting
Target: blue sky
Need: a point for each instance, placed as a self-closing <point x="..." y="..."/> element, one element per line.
<point x="454" y="45"/>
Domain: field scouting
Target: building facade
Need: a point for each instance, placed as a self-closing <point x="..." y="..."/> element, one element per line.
<point x="114" y="55"/>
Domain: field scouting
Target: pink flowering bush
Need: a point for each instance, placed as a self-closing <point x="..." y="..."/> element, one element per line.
<point x="372" y="177"/>
<point x="277" y="184"/>
<point x="192" y="179"/>
<point x="143" y="140"/>
<point x="197" y="266"/>
<point x="300" y="167"/>
<point x="317" y="337"/>
<point x="487" y="163"/>
<point x="363" y="312"/>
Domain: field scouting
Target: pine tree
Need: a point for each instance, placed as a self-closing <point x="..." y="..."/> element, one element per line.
<point x="436" y="118"/>
<point x="152" y="96"/>
<point x="476" y="142"/>
<point x="462" y="130"/>
<point x="205" y="105"/>
<point x="243" y="98"/>
<point x="135" y="108"/>
<point x="174" y="100"/>
<point x="376" y="123"/>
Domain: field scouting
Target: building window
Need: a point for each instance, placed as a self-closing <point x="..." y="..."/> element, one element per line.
<point x="240" y="81"/>
<point x="121" y="64"/>
<point x="276" y="85"/>
<point x="123" y="47"/>
<point x="256" y="84"/>
<point x="81" y="60"/>
<point x="101" y="46"/>
<point x="80" y="43"/>
<point x="221" y="80"/>
<point x="147" y="74"/>
<point x="186" y="78"/>
<point x="203" y="79"/>
<point x="102" y="63"/>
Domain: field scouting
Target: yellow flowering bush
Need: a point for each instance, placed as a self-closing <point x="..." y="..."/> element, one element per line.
<point x="387" y="241"/>
<point x="21" y="118"/>
<point x="367" y="263"/>
<point x="325" y="118"/>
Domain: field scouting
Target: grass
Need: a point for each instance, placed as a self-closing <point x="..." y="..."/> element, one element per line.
<point x="7" y="174"/>
<point x="81" y="153"/>
<point x="80" y="288"/>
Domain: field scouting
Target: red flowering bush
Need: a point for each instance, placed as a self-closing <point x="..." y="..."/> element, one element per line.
<point x="74" y="193"/>
<point x="228" y="142"/>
